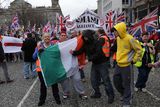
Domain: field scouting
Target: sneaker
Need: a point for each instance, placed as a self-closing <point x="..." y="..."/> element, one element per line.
<point x="41" y="103"/>
<point x="83" y="80"/>
<point x="82" y="96"/>
<point x="144" y="90"/>
<point x="26" y="78"/>
<point x="136" y="89"/>
<point x="96" y="96"/>
<point x="126" y="105"/>
<point x="65" y="96"/>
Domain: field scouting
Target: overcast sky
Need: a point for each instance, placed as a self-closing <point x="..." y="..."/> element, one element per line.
<point x="72" y="7"/>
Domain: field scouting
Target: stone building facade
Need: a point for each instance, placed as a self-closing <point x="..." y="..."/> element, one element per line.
<point x="143" y="7"/>
<point x="135" y="9"/>
<point x="29" y="15"/>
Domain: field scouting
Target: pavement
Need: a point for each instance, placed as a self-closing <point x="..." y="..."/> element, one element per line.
<point x="25" y="93"/>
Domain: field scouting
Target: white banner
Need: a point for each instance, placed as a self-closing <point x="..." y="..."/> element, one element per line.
<point x="70" y="25"/>
<point x="11" y="44"/>
<point x="88" y="20"/>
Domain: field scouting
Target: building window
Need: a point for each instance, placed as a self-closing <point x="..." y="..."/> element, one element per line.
<point x="125" y="1"/>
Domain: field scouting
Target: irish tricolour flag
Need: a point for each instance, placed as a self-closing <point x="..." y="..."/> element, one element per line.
<point x="57" y="63"/>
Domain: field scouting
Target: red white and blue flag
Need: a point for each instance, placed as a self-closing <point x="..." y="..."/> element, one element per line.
<point x="66" y="18"/>
<point x="47" y="28"/>
<point x="61" y="21"/>
<point x="121" y="17"/>
<point x="110" y="20"/>
<point x="147" y="24"/>
<point x="15" y="23"/>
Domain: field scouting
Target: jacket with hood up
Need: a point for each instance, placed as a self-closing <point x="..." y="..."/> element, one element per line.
<point x="128" y="49"/>
<point x="92" y="48"/>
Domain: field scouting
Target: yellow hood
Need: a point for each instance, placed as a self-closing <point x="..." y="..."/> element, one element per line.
<point x="121" y="29"/>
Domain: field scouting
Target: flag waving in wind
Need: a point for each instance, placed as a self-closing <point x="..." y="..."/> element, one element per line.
<point x="15" y="23"/>
<point x="121" y="17"/>
<point x="57" y="63"/>
<point x="147" y="24"/>
<point x="47" y="27"/>
<point x="66" y="18"/>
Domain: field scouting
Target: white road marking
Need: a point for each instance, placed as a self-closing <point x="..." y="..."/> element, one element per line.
<point x="27" y="94"/>
<point x="154" y="96"/>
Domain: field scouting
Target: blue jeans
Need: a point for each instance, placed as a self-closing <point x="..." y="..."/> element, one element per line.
<point x="98" y="72"/>
<point x="29" y="66"/>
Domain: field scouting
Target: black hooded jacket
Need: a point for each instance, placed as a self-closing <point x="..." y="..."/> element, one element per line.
<point x="92" y="47"/>
<point x="28" y="48"/>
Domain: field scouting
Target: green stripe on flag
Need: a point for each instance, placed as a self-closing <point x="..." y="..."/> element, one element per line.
<point x="53" y="70"/>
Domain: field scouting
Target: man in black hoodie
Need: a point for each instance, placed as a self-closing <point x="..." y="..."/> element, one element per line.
<point x="99" y="70"/>
<point x="3" y="64"/>
<point x="28" y="48"/>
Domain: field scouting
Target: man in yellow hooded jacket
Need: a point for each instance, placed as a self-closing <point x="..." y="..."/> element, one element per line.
<point x="128" y="52"/>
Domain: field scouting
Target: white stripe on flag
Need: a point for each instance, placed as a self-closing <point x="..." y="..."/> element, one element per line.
<point x="69" y="62"/>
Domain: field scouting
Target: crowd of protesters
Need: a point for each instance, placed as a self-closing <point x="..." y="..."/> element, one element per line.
<point x="125" y="50"/>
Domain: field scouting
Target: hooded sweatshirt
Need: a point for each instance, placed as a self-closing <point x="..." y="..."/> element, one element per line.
<point x="92" y="48"/>
<point x="128" y="49"/>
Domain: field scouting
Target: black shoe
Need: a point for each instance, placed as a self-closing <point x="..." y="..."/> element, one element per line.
<point x="57" y="98"/>
<point x="58" y="102"/>
<point x="96" y="96"/>
<point x="41" y="103"/>
<point x="2" y="82"/>
<point x="110" y="100"/>
<point x="9" y="81"/>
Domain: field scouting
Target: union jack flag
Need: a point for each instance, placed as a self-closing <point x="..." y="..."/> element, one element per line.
<point x="47" y="27"/>
<point x="66" y="18"/>
<point x="61" y="21"/>
<point x="110" y="20"/>
<point x="15" y="25"/>
<point x="121" y="17"/>
<point x="147" y="24"/>
<point x="112" y="17"/>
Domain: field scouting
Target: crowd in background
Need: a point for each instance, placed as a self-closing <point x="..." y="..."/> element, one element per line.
<point x="125" y="51"/>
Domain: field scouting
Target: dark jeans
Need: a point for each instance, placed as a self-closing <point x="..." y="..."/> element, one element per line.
<point x="5" y="70"/>
<point x="122" y="82"/>
<point x="43" y="89"/>
<point x="142" y="77"/>
<point x="98" y="72"/>
<point x="82" y="73"/>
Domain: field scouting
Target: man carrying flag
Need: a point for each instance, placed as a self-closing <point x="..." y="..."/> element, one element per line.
<point x="43" y="89"/>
